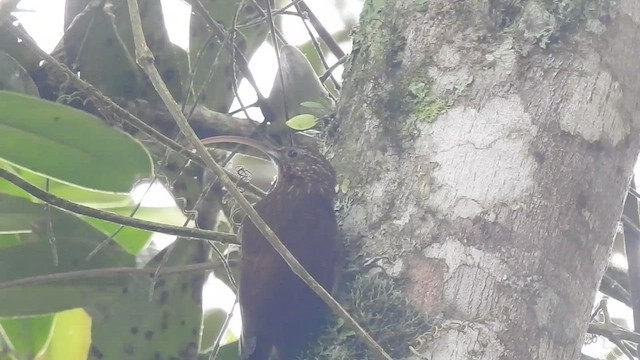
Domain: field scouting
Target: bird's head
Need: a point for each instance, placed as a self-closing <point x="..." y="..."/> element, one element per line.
<point x="301" y="168"/>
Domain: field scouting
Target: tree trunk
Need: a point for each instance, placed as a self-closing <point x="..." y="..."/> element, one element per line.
<point x="484" y="149"/>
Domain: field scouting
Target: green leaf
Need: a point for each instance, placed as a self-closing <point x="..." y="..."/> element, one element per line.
<point x="227" y="352"/>
<point x="167" y="325"/>
<point x="302" y="122"/>
<point x="157" y="39"/>
<point x="8" y="188"/>
<point x="94" y="44"/>
<point x="71" y="336"/>
<point x="212" y="324"/>
<point x="87" y="197"/>
<point x="208" y="56"/>
<point x="29" y="336"/>
<point x="18" y="216"/>
<point x="14" y="219"/>
<point x="131" y="239"/>
<point x="74" y="240"/>
<point x="300" y="85"/>
<point x="7" y="240"/>
<point x="313" y="105"/>
<point x="69" y="145"/>
<point x="84" y="196"/>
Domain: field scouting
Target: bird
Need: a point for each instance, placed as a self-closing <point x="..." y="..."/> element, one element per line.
<point x="279" y="311"/>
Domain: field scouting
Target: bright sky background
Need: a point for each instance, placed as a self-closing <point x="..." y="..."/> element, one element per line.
<point x="43" y="19"/>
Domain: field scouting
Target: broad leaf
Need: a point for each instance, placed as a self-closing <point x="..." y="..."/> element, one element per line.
<point x="94" y="46"/>
<point x="84" y="196"/>
<point x="167" y="326"/>
<point x="227" y="352"/>
<point x="8" y="188"/>
<point x="302" y="122"/>
<point x="30" y="335"/>
<point x="300" y="87"/>
<point x="157" y="39"/>
<point x="7" y="240"/>
<point x="72" y="240"/>
<point x="71" y="336"/>
<point x="209" y="57"/>
<point x="211" y="325"/>
<point x="131" y="239"/>
<point x="69" y="145"/>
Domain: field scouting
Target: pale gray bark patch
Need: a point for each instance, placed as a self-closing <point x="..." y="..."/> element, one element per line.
<point x="501" y="209"/>
<point x="592" y="96"/>
<point x="488" y="148"/>
<point x="455" y="255"/>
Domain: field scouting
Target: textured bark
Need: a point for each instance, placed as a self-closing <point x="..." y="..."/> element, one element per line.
<point x="487" y="147"/>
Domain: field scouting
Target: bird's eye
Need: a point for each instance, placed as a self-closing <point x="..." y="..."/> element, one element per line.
<point x="292" y="153"/>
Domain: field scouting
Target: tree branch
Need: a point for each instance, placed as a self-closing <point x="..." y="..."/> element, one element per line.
<point x="104" y="102"/>
<point x="145" y="59"/>
<point x="190" y="233"/>
<point x="106" y="273"/>
<point x="221" y="34"/>
<point x="324" y="34"/>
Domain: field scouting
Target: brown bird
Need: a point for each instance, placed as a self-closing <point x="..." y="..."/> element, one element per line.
<point x="279" y="311"/>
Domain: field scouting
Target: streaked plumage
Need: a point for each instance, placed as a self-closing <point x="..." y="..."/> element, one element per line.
<point x="278" y="310"/>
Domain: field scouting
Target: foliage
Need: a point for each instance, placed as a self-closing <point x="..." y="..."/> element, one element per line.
<point x="80" y="149"/>
<point x="67" y="291"/>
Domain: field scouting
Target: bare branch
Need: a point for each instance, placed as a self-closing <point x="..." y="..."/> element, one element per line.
<point x="106" y="273"/>
<point x="144" y="57"/>
<point x="66" y="205"/>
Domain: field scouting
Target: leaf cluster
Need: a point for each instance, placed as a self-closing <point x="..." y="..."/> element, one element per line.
<point x="99" y="287"/>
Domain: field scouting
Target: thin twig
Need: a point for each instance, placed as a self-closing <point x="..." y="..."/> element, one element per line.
<point x="105" y="273"/>
<point x="145" y="59"/>
<point x="331" y="69"/>
<point x="263" y="17"/>
<point x="223" y="331"/>
<point x="66" y="205"/>
<point x="133" y="212"/>
<point x="610" y="287"/>
<point x="52" y="235"/>
<point x="101" y="100"/>
<point x="631" y="224"/>
<point x="235" y="82"/>
<point x="324" y="34"/>
<point x="612" y="331"/>
<point x="243" y="63"/>
<point x="276" y="49"/>
<point x="106" y="103"/>
<point x="192" y="74"/>
<point x="317" y="47"/>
